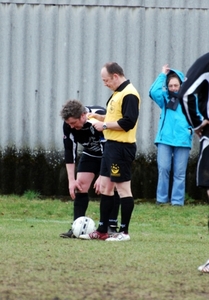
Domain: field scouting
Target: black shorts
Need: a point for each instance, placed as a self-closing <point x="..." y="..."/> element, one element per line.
<point x="117" y="160"/>
<point x="203" y="164"/>
<point x="89" y="164"/>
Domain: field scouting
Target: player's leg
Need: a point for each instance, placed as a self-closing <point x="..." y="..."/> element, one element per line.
<point x="106" y="205"/>
<point x="81" y="201"/>
<point x="113" y="220"/>
<point x="82" y="198"/>
<point x="127" y="204"/>
<point x="106" y="201"/>
<point x="123" y="186"/>
<point x="203" y="165"/>
<point x="87" y="168"/>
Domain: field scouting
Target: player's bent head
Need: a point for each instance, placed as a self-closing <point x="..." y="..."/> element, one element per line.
<point x="72" y="109"/>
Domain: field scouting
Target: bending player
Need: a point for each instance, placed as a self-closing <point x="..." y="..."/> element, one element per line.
<point x="78" y="129"/>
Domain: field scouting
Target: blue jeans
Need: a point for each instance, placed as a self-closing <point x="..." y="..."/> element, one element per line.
<point x="180" y="157"/>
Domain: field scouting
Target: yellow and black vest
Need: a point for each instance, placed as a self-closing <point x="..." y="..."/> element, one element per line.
<point x="114" y="113"/>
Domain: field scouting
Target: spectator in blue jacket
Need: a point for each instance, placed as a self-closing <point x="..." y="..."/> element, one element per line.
<point x="174" y="137"/>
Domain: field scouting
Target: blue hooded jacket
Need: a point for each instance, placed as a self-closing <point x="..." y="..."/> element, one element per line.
<point x="173" y="128"/>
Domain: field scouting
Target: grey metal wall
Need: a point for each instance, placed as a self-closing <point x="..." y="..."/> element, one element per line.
<point x="51" y="51"/>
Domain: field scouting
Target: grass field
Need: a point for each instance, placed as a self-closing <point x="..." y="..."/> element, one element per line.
<point x="159" y="262"/>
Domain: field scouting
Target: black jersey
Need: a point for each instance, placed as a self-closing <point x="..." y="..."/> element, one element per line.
<point x="194" y="92"/>
<point x="91" y="139"/>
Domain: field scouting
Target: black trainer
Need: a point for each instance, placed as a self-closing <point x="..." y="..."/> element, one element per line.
<point x="68" y="234"/>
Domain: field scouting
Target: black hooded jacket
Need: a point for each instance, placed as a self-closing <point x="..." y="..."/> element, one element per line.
<point x="194" y="92"/>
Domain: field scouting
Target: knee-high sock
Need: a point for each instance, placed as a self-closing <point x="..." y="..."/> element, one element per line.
<point x="113" y="220"/>
<point x="127" y="206"/>
<point x="80" y="204"/>
<point x="106" y="205"/>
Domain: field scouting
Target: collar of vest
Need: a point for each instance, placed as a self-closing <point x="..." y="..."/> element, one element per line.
<point x="122" y="86"/>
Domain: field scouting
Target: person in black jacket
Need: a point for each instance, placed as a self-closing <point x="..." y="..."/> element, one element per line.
<point x="195" y="102"/>
<point x="78" y="129"/>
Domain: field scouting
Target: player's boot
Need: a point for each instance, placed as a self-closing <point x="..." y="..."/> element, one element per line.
<point x="68" y="234"/>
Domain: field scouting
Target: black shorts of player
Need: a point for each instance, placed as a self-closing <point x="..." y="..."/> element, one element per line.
<point x="89" y="164"/>
<point x="117" y="160"/>
<point x="203" y="164"/>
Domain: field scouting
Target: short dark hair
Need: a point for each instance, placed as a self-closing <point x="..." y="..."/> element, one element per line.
<point x="114" y="68"/>
<point x="173" y="75"/>
<point x="72" y="108"/>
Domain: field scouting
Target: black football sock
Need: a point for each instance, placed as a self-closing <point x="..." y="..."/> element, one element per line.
<point x="80" y="204"/>
<point x="106" y="205"/>
<point x="113" y="220"/>
<point x="127" y="206"/>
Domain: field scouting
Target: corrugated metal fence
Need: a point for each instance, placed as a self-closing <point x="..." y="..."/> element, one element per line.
<point x="51" y="51"/>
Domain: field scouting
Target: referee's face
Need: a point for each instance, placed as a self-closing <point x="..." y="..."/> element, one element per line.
<point x="77" y="123"/>
<point x="109" y="80"/>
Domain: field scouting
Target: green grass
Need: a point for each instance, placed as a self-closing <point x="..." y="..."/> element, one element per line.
<point x="31" y="195"/>
<point x="160" y="262"/>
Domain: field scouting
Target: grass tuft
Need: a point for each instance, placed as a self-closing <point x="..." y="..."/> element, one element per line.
<point x="31" y="195"/>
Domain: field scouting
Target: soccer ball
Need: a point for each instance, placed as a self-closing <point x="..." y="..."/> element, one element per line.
<point x="83" y="225"/>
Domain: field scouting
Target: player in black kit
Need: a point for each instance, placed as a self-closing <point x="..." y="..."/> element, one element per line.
<point x="78" y="129"/>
